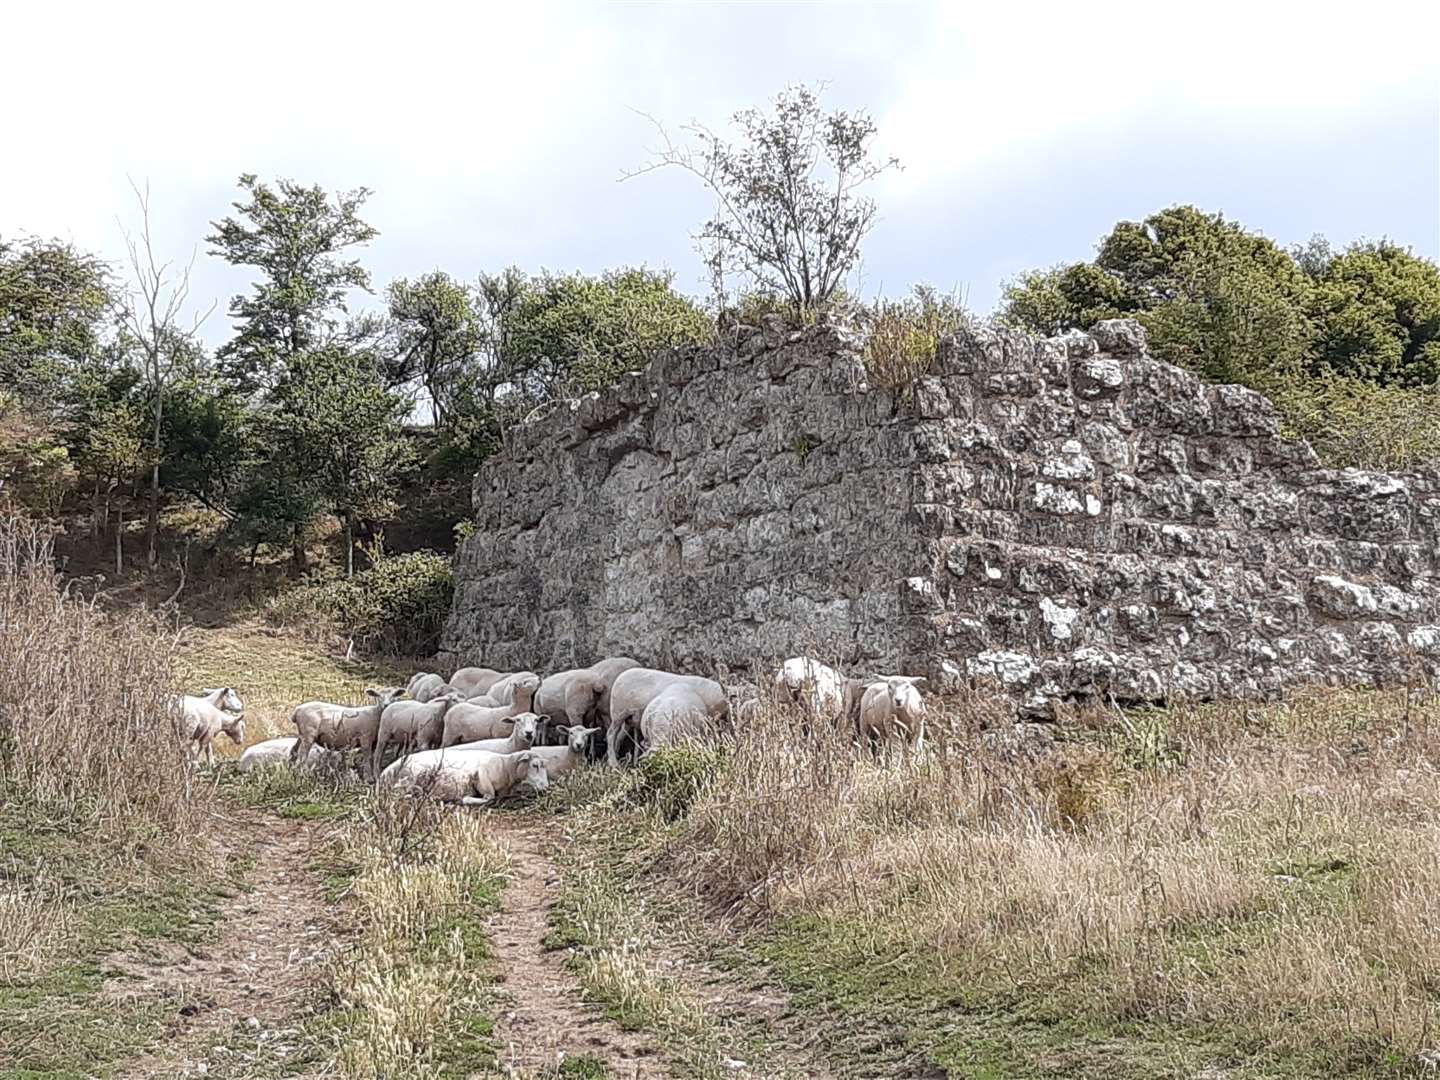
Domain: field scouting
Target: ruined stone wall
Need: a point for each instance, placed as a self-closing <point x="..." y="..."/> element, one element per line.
<point x="1068" y="516"/>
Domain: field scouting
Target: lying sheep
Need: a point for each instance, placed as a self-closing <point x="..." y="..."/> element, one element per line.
<point x="503" y="691"/>
<point x="419" y="724"/>
<point x="340" y="727"/>
<point x="474" y="681"/>
<point x="635" y="688"/>
<point x="205" y="716"/>
<point x="815" y="687"/>
<point x="475" y="778"/>
<point x="521" y="738"/>
<point x="471" y="721"/>
<point x="889" y="704"/>
<point x="276" y="751"/>
<point x="560" y="760"/>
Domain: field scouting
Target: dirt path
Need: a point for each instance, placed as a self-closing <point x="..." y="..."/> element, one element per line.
<point x="246" y="988"/>
<point x="543" y="1015"/>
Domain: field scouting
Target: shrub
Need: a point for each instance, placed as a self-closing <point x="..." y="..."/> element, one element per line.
<point x="398" y="606"/>
<point x="903" y="335"/>
<point x="671" y="779"/>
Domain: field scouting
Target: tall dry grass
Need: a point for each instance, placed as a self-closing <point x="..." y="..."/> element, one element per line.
<point x="85" y="729"/>
<point x="1273" y="870"/>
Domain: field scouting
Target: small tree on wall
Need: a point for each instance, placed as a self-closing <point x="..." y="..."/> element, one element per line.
<point x="790" y="217"/>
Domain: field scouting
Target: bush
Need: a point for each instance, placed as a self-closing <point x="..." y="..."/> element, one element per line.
<point x="398" y="606"/>
<point x="903" y="335"/>
<point x="671" y="779"/>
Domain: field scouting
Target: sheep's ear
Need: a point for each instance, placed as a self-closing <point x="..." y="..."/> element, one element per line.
<point x="372" y="692"/>
<point x="916" y="680"/>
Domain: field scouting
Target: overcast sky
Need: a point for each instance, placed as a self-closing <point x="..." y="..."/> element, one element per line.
<point x="496" y="135"/>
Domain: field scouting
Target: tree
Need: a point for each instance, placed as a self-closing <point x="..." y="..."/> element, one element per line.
<point x="54" y="303"/>
<point x="295" y="236"/>
<point x="439" y="331"/>
<point x="791" y="218"/>
<point x="339" y="432"/>
<point x="151" y="315"/>
<point x="571" y="332"/>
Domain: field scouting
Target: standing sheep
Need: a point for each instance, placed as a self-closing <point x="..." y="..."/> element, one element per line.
<point x="471" y="721"/>
<point x="474" y="681"/>
<point x="340" y="727"/>
<point x="560" y="760"/>
<point x="636" y="688"/>
<point x="206" y="716"/>
<point x="892" y="703"/>
<point x="419" y="723"/>
<point x="815" y="687"/>
<point x="676" y="713"/>
<point x="503" y="691"/>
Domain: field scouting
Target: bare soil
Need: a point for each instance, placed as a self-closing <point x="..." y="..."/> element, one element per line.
<point x="543" y="1018"/>
<point x="255" y="980"/>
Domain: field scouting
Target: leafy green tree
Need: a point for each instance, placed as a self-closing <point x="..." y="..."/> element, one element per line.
<point x="1377" y="312"/>
<point x="439" y="331"/>
<point x="295" y="236"/>
<point x="572" y="332"/>
<point x="335" y="424"/>
<point x="55" y="302"/>
<point x="208" y="440"/>
<point x="791" y="218"/>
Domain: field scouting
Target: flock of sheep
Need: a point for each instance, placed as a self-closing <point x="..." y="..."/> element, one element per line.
<point x="483" y="734"/>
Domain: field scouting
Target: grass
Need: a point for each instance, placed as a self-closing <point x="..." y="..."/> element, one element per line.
<point x="1226" y="890"/>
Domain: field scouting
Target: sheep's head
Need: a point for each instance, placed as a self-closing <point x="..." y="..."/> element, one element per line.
<point x="445" y="700"/>
<point x="534" y="766"/>
<point x="522" y="691"/>
<point x="901" y="689"/>
<point x="577" y="738"/>
<point x="234" y="726"/>
<point x="525" y="727"/>
<point x="385" y="695"/>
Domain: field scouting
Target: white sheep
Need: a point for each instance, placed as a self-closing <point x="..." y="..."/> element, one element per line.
<point x="521" y="738"/>
<point x="418" y="723"/>
<point x="560" y="760"/>
<point x="340" y="727"/>
<point x="892" y="703"/>
<point x="276" y="751"/>
<point x="474" y="681"/>
<point x="815" y="687"/>
<point x="475" y="778"/>
<point x="503" y="691"/>
<point x="676" y="713"/>
<point x="471" y="721"/>
<point x="205" y="716"/>
<point x="635" y="688"/>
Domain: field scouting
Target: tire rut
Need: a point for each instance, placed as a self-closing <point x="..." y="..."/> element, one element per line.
<point x="544" y="1017"/>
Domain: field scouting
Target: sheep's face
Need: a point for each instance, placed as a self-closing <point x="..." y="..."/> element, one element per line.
<point x="444" y="701"/>
<point x="535" y="775"/>
<point x="385" y="695"/>
<point x="235" y="728"/>
<point x="578" y="738"/>
<point x="904" y="697"/>
<point x="230" y="701"/>
<point x="527" y="725"/>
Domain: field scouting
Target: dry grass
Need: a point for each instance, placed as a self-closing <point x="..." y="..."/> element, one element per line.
<point x="85" y="725"/>
<point x="422" y="878"/>
<point x="903" y="335"/>
<point x="33" y="929"/>
<point x="1271" y="871"/>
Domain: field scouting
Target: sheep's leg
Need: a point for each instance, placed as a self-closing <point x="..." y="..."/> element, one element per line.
<point x="381" y="738"/>
<point x="301" y="750"/>
<point x="471" y="800"/>
<point x="612" y="741"/>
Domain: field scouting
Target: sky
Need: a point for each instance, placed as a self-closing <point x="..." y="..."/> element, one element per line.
<point x="498" y="134"/>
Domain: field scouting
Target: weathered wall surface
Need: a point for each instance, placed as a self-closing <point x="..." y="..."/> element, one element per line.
<point x="1068" y="516"/>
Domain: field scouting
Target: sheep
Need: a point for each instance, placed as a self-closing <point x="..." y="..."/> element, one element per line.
<point x="428" y="687"/>
<point x="419" y="722"/>
<point x="474" y="681"/>
<point x="475" y="778"/>
<point x="560" y="760"/>
<point x="202" y="718"/>
<point x="340" y="727"/>
<point x="572" y="697"/>
<point x="676" y="712"/>
<point x="471" y="721"/>
<point x="503" y="691"/>
<point x="637" y="687"/>
<point x="274" y="751"/>
<point x="815" y="687"/>
<point x="889" y="703"/>
<point x="521" y="737"/>
<point x="607" y="671"/>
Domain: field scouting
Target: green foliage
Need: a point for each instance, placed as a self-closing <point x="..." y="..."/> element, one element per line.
<point x="790" y="220"/>
<point x="398" y="606"/>
<point x="672" y="778"/>
<point x="573" y="332"/>
<point x="294" y="235"/>
<point x="904" y="335"/>
<point x="438" y="328"/>
<point x="1345" y="343"/>
<point x="54" y="301"/>
<point x="208" y="437"/>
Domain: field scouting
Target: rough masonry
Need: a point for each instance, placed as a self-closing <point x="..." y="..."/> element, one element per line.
<point x="1068" y="516"/>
